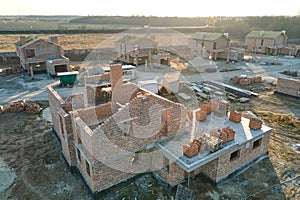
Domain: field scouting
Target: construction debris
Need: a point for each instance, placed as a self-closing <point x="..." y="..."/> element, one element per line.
<point x="17" y="106"/>
<point x="8" y="71"/>
<point x="20" y="106"/>
<point x="32" y="107"/>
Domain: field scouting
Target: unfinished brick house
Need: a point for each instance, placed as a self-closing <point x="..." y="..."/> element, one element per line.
<point x="140" y="50"/>
<point x="214" y="46"/>
<point x="269" y="42"/>
<point x="34" y="53"/>
<point x="132" y="131"/>
<point x="288" y="86"/>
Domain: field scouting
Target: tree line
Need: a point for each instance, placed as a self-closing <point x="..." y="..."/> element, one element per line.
<point x="237" y="27"/>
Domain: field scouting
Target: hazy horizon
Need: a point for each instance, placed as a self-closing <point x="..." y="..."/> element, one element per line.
<point x="187" y="8"/>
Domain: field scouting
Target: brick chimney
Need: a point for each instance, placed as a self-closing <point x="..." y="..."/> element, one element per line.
<point x="115" y="75"/>
<point x="53" y="39"/>
<point x="22" y="40"/>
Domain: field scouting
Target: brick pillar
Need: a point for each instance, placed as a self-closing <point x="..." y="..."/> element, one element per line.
<point x="115" y="75"/>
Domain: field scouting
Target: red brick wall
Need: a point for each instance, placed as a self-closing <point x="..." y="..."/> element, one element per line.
<point x="93" y="113"/>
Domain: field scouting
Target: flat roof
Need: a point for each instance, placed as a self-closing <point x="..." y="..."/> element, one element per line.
<point x="146" y="82"/>
<point x="174" y="149"/>
<point x="67" y="73"/>
<point x="124" y="67"/>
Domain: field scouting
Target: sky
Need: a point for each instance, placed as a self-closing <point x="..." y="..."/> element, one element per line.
<point x="181" y="8"/>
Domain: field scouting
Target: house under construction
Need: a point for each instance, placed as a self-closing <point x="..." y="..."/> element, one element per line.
<point x="117" y="130"/>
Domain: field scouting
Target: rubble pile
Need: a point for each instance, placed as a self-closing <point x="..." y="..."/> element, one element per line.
<point x="32" y="107"/>
<point x="20" y="106"/>
<point x="8" y="71"/>
<point x="17" y="106"/>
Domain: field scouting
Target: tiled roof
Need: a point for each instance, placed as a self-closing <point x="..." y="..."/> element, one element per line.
<point x="265" y="34"/>
<point x="28" y="39"/>
<point x="207" y="36"/>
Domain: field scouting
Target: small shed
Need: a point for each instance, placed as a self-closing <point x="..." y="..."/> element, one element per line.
<point x="128" y="71"/>
<point x="57" y="65"/>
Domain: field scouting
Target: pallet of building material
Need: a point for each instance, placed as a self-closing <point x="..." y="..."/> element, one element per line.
<point x="191" y="149"/>
<point x="230" y="133"/>
<point x="213" y="143"/>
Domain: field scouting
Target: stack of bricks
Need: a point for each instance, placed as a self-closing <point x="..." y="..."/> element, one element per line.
<point x="225" y="134"/>
<point x="222" y="108"/>
<point x="206" y="108"/>
<point x="245" y="81"/>
<point x="229" y="132"/>
<point x="235" y="80"/>
<point x="17" y="106"/>
<point x="255" y="123"/>
<point x="201" y="115"/>
<point x="235" y="116"/>
<point x="213" y="105"/>
<point x="192" y="149"/>
<point x="211" y="143"/>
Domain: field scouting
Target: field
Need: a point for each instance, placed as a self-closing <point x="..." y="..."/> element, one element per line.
<point x="78" y="41"/>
